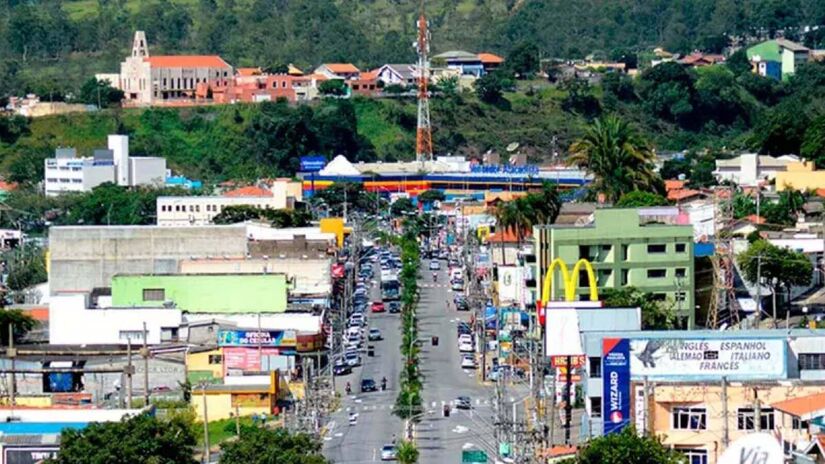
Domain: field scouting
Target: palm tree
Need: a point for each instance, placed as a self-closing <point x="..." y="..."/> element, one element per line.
<point x="617" y="156"/>
<point x="504" y="220"/>
<point x="407" y="453"/>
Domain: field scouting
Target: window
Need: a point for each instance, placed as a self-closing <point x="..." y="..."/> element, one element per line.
<point x="680" y="247"/>
<point x="606" y="248"/>
<point x="595" y="367"/>
<point x="745" y="419"/>
<point x="679" y="296"/>
<point x="658" y="297"/>
<point x="584" y="279"/>
<point x="130" y="335"/>
<point x="624" y="252"/>
<point x="694" y="456"/>
<point x="596" y="406"/>
<point x="625" y="275"/>
<point x="656" y="273"/>
<point x="681" y="272"/>
<point x="798" y="424"/>
<point x="811" y="361"/>
<point x="584" y="252"/>
<point x="215" y="359"/>
<point x="154" y="294"/>
<point x="685" y="418"/>
<point x="656" y="249"/>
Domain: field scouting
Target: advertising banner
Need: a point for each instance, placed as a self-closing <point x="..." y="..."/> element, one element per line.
<point x="616" y="384"/>
<point x="285" y="338"/>
<point x="28" y="454"/>
<point x="697" y="359"/>
<point x="246" y="359"/>
<point x="313" y="163"/>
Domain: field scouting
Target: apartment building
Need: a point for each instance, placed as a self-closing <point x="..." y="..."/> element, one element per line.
<point x="624" y="251"/>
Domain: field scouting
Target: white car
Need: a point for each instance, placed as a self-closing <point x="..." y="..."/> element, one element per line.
<point x="388" y="453"/>
<point x="465" y="347"/>
<point x="465" y="338"/>
<point x="468" y="361"/>
<point x="435" y="265"/>
<point x="352" y="359"/>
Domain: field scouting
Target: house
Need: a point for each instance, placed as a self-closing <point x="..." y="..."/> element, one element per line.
<point x="749" y="169"/>
<point x="490" y="61"/>
<point x="344" y="71"/>
<point x="699" y="59"/>
<point x="365" y="84"/>
<point x="802" y="176"/>
<point x="146" y="79"/>
<point x="469" y="64"/>
<point x="398" y="74"/>
<point x="777" y="58"/>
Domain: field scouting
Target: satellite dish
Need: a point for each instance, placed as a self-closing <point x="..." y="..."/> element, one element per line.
<point x="761" y="447"/>
<point x="512" y="147"/>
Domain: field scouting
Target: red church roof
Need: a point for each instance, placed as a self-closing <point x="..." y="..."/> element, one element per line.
<point x="187" y="61"/>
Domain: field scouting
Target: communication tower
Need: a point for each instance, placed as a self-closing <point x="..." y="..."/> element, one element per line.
<point x="424" y="132"/>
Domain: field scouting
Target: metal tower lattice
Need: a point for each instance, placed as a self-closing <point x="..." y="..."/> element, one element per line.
<point x="724" y="307"/>
<point x="424" y="132"/>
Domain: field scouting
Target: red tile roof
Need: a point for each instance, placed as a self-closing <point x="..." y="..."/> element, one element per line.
<point x="682" y="194"/>
<point x="507" y="237"/>
<point x="802" y="406"/>
<point x="674" y="184"/>
<point x="754" y="219"/>
<point x="369" y="75"/>
<point x="342" y="68"/>
<point x="186" y="61"/>
<point x="249" y="71"/>
<point x="489" y="58"/>
<point x="7" y="186"/>
<point x="248" y="191"/>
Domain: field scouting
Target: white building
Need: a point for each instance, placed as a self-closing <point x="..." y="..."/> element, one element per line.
<point x="67" y="173"/>
<point x="73" y="321"/>
<point x="750" y="168"/>
<point x="200" y="210"/>
<point x="398" y="74"/>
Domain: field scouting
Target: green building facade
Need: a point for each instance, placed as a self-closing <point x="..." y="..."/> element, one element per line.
<point x="203" y="293"/>
<point x="656" y="258"/>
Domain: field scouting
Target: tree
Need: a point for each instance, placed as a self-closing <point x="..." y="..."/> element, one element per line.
<point x="620" y="160"/>
<point x="668" y="92"/>
<point x="627" y="447"/>
<point x="490" y="86"/>
<point x="739" y="63"/>
<point x="407" y="453"/>
<point x="333" y="87"/>
<point x="639" y="199"/>
<point x="26" y="266"/>
<point x="277" y="68"/>
<point x="100" y="93"/>
<point x="430" y="196"/>
<point x="813" y="142"/>
<point x="580" y="99"/>
<point x="780" y="267"/>
<point x="402" y="206"/>
<point x="656" y="315"/>
<point x="781" y="130"/>
<point x="260" y="445"/>
<point x="21" y="321"/>
<point x="523" y="60"/>
<point x="142" y="438"/>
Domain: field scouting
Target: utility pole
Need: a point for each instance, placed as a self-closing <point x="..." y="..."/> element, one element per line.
<point x="12" y="354"/>
<point x="725" y="430"/>
<point x="568" y="405"/>
<point x="130" y="370"/>
<point x="237" y="421"/>
<point x="145" y="353"/>
<point x="206" y="456"/>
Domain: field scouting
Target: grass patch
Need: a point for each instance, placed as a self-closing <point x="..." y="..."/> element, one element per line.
<point x="221" y="430"/>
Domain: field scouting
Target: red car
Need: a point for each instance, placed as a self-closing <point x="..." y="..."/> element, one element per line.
<point x="377" y="307"/>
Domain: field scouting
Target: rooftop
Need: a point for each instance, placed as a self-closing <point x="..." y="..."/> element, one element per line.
<point x="806" y="407"/>
<point x="458" y="55"/>
<point x="342" y="67"/>
<point x="489" y="58"/>
<point x="248" y="191"/>
<point x="187" y="61"/>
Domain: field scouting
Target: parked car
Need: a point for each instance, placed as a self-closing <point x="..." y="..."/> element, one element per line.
<point x="368" y="385"/>
<point x="468" y="361"/>
<point x="378" y="307"/>
<point x="463" y="402"/>
<point x="394" y="307"/>
<point x="352" y="359"/>
<point x="435" y="265"/>
<point x="465" y="347"/>
<point x="388" y="453"/>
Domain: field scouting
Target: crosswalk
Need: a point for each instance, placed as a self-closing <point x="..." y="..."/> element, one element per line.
<point x="434" y="285"/>
<point x="478" y="403"/>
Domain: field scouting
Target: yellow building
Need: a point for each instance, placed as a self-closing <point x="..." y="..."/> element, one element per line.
<point x="802" y="176"/>
<point x="206" y="365"/>
<point x="695" y="419"/>
<point x="225" y="401"/>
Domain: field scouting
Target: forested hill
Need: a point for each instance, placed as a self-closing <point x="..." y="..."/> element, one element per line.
<point x="51" y="46"/>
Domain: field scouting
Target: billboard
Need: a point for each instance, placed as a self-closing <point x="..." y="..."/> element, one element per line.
<point x="28" y="454"/>
<point x="615" y="384"/>
<point x="257" y="338"/>
<point x="313" y="163"/>
<point x="700" y="359"/>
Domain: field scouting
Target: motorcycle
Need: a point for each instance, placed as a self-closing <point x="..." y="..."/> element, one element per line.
<point x="435" y="277"/>
<point x="353" y="418"/>
<point x="349" y="388"/>
<point x="383" y="384"/>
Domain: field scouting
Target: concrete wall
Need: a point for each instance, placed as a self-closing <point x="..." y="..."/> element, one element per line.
<point x="72" y="323"/>
<point x="199" y="210"/>
<point x="209" y="293"/>
<point x="85" y="257"/>
<point x="147" y="171"/>
<point x="309" y="276"/>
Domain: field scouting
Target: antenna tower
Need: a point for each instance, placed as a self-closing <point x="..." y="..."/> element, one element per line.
<point x="424" y="132"/>
<point x="724" y="307"/>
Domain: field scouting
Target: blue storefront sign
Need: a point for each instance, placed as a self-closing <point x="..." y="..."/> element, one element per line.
<point x="256" y="338"/>
<point x="616" y="384"/>
<point x="313" y="163"/>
